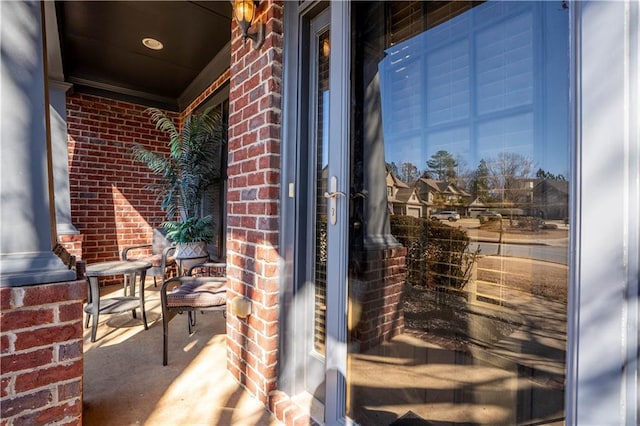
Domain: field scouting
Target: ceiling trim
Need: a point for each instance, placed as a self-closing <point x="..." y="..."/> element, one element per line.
<point x="214" y="69"/>
<point x="90" y="86"/>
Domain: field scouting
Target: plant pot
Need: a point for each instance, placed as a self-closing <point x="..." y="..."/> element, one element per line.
<point x="189" y="254"/>
<point x="191" y="250"/>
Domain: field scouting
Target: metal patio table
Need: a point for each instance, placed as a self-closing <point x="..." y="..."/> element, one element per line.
<point x="113" y="305"/>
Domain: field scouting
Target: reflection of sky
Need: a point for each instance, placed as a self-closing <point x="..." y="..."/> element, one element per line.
<point x="494" y="79"/>
<point x="325" y="128"/>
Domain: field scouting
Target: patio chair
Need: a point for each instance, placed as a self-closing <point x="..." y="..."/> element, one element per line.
<point x="159" y="253"/>
<point x="204" y="288"/>
<point x="67" y="258"/>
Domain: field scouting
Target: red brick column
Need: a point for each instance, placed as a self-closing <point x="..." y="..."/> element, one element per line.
<point x="379" y="292"/>
<point x="253" y="203"/>
<point x="41" y="347"/>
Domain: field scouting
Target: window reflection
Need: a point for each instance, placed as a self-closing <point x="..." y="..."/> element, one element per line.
<point x="459" y="253"/>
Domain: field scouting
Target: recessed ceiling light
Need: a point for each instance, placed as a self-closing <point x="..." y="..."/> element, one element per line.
<point x="152" y="43"/>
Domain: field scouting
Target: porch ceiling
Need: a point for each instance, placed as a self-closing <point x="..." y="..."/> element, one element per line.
<point x="97" y="46"/>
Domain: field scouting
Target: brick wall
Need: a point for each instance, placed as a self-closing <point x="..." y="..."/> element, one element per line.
<point x="72" y="243"/>
<point x="253" y="206"/>
<point x="210" y="90"/>
<point x="41" y="346"/>
<point x="379" y="294"/>
<point x="110" y="206"/>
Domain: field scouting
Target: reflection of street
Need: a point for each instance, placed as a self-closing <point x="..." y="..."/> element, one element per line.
<point x="509" y="275"/>
<point x="545" y="253"/>
<point x="548" y="245"/>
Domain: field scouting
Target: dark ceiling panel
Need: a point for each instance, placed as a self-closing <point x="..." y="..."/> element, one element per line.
<point x="101" y="43"/>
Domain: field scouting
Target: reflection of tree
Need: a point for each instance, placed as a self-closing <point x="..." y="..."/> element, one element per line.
<point x="542" y="174"/>
<point x="505" y="179"/>
<point x="464" y="175"/>
<point x="406" y="172"/>
<point x="442" y="166"/>
<point x="507" y="174"/>
<point x="393" y="168"/>
<point x="480" y="182"/>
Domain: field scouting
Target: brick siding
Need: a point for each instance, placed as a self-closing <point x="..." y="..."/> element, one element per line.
<point x="253" y="203"/>
<point x="287" y="411"/>
<point x="110" y="206"/>
<point x="41" y="346"/>
<point x="210" y="90"/>
<point x="72" y="243"/>
<point x="379" y="292"/>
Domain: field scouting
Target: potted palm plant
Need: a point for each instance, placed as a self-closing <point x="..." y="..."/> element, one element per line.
<point x="191" y="165"/>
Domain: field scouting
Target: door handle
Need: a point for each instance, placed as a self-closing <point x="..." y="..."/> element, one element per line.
<point x="363" y="194"/>
<point x="332" y="196"/>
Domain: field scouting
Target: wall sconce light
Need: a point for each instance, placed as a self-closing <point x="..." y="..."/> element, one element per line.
<point x="326" y="48"/>
<point x="244" y="12"/>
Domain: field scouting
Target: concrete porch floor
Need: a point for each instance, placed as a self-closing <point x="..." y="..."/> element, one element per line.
<point x="457" y="363"/>
<point x="125" y="382"/>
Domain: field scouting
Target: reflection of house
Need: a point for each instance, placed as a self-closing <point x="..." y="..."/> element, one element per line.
<point x="393" y="185"/>
<point x="551" y="198"/>
<point x="402" y="198"/>
<point x="510" y="191"/>
<point x="475" y="207"/>
<point x="441" y="194"/>
<point x="429" y="192"/>
<point x="426" y="195"/>
<point x="408" y="202"/>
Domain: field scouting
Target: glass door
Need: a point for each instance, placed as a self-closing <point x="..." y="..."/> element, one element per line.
<point x="317" y="175"/>
<point x="323" y="164"/>
<point x="433" y="175"/>
<point x="457" y="240"/>
<point x="313" y="160"/>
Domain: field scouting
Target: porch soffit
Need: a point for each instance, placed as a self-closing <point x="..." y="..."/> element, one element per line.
<point x="97" y="46"/>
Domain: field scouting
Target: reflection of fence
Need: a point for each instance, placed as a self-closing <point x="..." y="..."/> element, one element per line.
<point x="488" y="288"/>
<point x="437" y="254"/>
